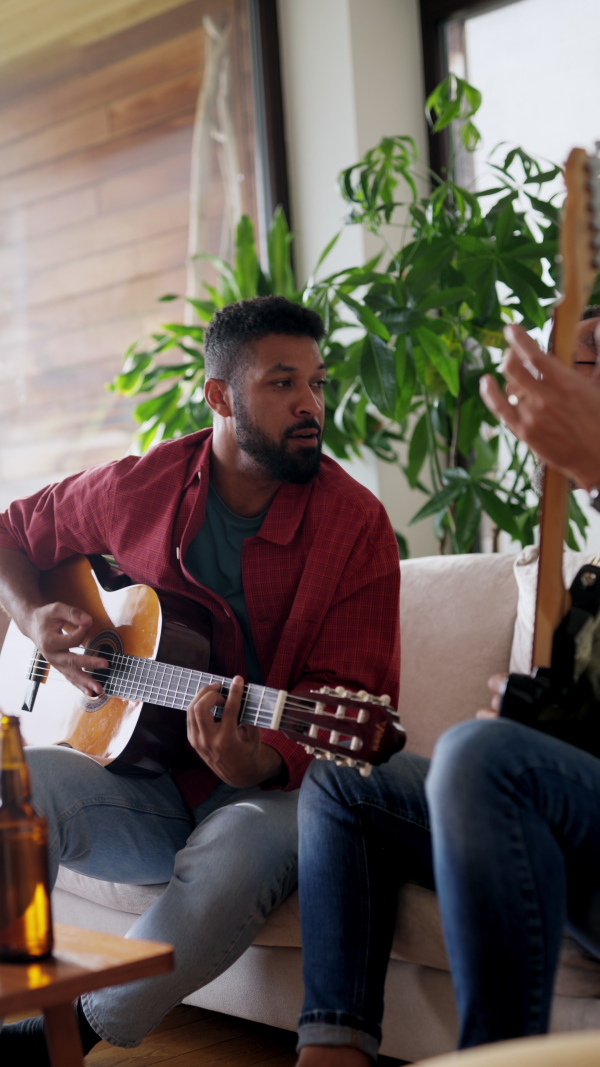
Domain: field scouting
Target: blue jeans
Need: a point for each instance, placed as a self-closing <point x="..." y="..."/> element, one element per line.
<point x="359" y="839"/>
<point x="515" y="817"/>
<point x="227" y="864"/>
<point x="516" y="833"/>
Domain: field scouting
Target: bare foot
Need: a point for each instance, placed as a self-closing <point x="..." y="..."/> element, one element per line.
<point x="331" y="1056"/>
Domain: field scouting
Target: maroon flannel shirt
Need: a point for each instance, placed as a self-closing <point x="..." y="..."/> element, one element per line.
<point x="321" y="578"/>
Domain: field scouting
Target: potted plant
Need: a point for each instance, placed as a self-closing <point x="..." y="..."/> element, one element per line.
<point x="427" y="316"/>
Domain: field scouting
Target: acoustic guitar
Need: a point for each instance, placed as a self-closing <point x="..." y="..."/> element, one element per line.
<point x="158" y="650"/>
<point x="561" y="696"/>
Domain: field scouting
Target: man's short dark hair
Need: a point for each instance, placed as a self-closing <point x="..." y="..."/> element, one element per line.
<point x="236" y="326"/>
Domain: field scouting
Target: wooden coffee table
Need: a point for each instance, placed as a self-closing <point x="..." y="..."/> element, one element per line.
<point x="83" y="960"/>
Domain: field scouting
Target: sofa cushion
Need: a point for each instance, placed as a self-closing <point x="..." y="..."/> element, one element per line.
<point x="418" y="936"/>
<point x="526" y="571"/>
<point x="457" y="621"/>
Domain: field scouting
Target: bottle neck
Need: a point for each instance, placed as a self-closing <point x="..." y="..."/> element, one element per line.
<point x="14" y="776"/>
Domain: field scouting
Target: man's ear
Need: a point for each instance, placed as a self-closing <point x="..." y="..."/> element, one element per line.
<point x="217" y="394"/>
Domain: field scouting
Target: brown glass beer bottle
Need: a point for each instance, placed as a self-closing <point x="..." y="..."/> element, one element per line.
<point x="25" y="916"/>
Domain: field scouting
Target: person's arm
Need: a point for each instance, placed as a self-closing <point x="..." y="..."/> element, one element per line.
<point x="54" y="628"/>
<point x="550" y="407"/>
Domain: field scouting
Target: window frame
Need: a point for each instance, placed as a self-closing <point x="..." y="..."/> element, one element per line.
<point x="434" y="15"/>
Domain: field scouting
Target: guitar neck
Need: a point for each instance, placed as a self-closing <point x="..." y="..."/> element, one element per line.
<point x="133" y="678"/>
<point x="579" y="272"/>
<point x="551" y="595"/>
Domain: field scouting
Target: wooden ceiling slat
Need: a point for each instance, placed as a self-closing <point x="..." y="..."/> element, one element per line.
<point x="61" y="101"/>
<point x="27" y="26"/>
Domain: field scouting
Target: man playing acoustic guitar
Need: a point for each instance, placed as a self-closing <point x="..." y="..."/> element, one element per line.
<point x="507" y="826"/>
<point x="297" y="565"/>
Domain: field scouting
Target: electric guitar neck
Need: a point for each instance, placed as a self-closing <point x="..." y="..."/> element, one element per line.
<point x="580" y="245"/>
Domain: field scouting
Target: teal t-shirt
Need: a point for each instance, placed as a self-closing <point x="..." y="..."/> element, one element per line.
<point x="215" y="559"/>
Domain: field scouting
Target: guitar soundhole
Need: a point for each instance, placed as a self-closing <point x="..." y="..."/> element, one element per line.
<point x="107" y="644"/>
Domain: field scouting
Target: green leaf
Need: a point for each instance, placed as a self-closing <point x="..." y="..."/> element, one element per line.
<point x="576" y="515"/>
<point x="437" y="503"/>
<point x="204" y="309"/>
<point x="378" y="373"/>
<point x="486" y="456"/>
<point x="471" y="414"/>
<point x="401" y="321"/>
<point x="328" y="247"/>
<point x="467" y="519"/>
<point x="498" y="510"/>
<point x="438" y="352"/>
<point x="279" y="244"/>
<point x="445" y="298"/>
<point x="406" y="378"/>
<point x="128" y="382"/>
<point x="365" y="316"/>
<point x="417" y="451"/>
<point x="157" y="405"/>
<point x="481" y="275"/>
<point x="456" y="476"/>
<point x="229" y="277"/>
<point x="246" y="261"/>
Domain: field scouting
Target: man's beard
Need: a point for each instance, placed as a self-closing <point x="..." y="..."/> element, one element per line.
<point x="297" y="467"/>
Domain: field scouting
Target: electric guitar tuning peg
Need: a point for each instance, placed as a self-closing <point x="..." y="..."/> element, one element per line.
<point x="365" y="770"/>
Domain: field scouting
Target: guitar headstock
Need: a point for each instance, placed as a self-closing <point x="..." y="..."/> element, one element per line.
<point x="580" y="247"/>
<point x="354" y="729"/>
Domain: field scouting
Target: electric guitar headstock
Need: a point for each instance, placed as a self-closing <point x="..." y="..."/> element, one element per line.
<point x="580" y="252"/>
<point x="353" y="729"/>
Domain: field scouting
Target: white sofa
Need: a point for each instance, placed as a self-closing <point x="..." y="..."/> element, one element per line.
<point x="458" y="616"/>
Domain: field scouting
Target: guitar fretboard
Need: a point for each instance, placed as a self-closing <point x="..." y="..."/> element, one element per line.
<point x="169" y="686"/>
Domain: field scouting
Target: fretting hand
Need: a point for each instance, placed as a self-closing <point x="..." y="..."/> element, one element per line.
<point x="233" y="751"/>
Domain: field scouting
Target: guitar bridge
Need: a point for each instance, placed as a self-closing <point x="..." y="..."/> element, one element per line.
<point x="38" y="672"/>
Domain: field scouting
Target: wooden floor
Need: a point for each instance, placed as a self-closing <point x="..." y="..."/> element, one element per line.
<point x="192" y="1037"/>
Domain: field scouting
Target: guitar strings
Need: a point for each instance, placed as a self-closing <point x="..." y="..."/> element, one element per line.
<point x="150" y="665"/>
<point x="260" y="718"/>
<point x="165" y="694"/>
<point x="164" y="690"/>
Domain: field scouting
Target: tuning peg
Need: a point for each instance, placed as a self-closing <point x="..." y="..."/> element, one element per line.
<point x="385" y="699"/>
<point x="365" y="770"/>
<point x="334" y="737"/>
<point x="309" y="749"/>
<point x="313" y="731"/>
<point x="356" y="744"/>
<point x="362" y="694"/>
<point x="340" y="711"/>
<point x="330" y="755"/>
<point x="363" y="715"/>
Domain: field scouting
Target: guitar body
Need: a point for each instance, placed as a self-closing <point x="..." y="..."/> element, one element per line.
<point x="563" y="700"/>
<point x="130" y="735"/>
